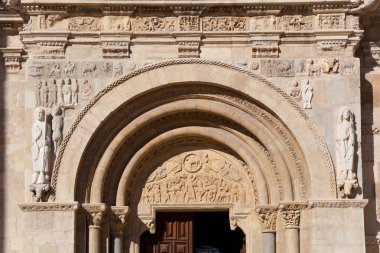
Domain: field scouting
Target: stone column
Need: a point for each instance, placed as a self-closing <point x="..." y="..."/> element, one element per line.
<point x="118" y="222"/>
<point x="267" y="216"/>
<point x="95" y="214"/>
<point x="291" y="214"/>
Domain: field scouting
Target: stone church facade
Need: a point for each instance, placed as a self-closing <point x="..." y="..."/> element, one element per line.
<point x="116" y="112"/>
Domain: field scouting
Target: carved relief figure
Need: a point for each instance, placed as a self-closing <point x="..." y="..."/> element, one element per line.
<point x="312" y="68"/>
<point x="86" y="88"/>
<point x="89" y="69"/>
<point x="296" y="22"/>
<point x="307" y="94"/>
<point x="347" y="66"/>
<point x="41" y="147"/>
<point x="55" y="70"/>
<point x="330" y="66"/>
<point x="70" y="69"/>
<point x="118" y="70"/>
<point x="331" y="21"/>
<point x="224" y="24"/>
<point x="84" y="24"/>
<point x="74" y="91"/>
<point x="153" y="24"/>
<point x="263" y="23"/>
<point x="189" y="23"/>
<point x="57" y="127"/>
<point x="45" y="94"/>
<point x="38" y="93"/>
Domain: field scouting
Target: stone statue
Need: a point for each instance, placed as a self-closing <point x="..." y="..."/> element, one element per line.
<point x="52" y="92"/>
<point x="57" y="127"/>
<point x="74" y="91"/>
<point x="345" y="140"/>
<point x="66" y="92"/>
<point x="41" y="147"/>
<point x="307" y="94"/>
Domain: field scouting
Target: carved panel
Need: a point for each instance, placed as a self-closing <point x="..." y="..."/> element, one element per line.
<point x="153" y="24"/>
<point x="189" y="23"/>
<point x="224" y="24"/>
<point x="275" y="68"/>
<point x="84" y="24"/>
<point x="263" y="23"/>
<point x="331" y="21"/>
<point x="296" y="23"/>
<point x="194" y="177"/>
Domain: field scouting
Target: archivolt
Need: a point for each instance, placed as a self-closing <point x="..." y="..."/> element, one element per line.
<point x="106" y="106"/>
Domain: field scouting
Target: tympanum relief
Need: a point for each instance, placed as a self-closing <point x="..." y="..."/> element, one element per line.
<point x="195" y="177"/>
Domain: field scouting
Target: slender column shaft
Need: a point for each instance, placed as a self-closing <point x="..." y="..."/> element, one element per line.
<point x="117" y="243"/>
<point x="292" y="240"/>
<point x="269" y="242"/>
<point x="94" y="239"/>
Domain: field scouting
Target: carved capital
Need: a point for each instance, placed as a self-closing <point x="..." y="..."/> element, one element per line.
<point x="291" y="213"/>
<point x="12" y="58"/>
<point x="95" y="214"/>
<point x="267" y="216"/>
<point x="149" y="224"/>
<point x="118" y="219"/>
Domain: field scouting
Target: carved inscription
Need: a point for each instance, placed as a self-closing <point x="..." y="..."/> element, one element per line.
<point x="194" y="177"/>
<point x="224" y="24"/>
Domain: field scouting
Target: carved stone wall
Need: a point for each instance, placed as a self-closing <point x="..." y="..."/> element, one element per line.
<point x="81" y="63"/>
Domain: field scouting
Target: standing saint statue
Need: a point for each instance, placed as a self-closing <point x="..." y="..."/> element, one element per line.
<point x="346" y="143"/>
<point x="41" y="147"/>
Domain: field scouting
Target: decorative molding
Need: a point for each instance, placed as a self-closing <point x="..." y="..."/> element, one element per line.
<point x="338" y="203"/>
<point x="302" y="113"/>
<point x="49" y="206"/>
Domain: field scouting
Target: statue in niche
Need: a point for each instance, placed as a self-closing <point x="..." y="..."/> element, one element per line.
<point x="52" y="92"/>
<point x="39" y="93"/>
<point x="74" y="91"/>
<point x="45" y="94"/>
<point x="41" y="147"/>
<point x="66" y="92"/>
<point x="57" y="127"/>
<point x="307" y="94"/>
<point x="345" y="140"/>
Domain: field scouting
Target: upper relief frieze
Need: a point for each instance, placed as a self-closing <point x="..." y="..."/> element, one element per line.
<point x="57" y="22"/>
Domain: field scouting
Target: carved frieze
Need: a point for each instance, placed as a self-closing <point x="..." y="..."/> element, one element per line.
<point x="274" y="68"/>
<point x="214" y="24"/>
<point x="57" y="92"/>
<point x="117" y="24"/>
<point x="296" y="23"/>
<point x="195" y="177"/>
<point x="331" y="21"/>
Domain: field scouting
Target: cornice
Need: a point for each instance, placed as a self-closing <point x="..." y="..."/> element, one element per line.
<point x="244" y="7"/>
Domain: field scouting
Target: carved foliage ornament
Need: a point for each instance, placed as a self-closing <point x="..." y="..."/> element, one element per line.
<point x="194" y="177"/>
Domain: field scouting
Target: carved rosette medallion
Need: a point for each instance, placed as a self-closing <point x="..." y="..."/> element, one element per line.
<point x="195" y="177"/>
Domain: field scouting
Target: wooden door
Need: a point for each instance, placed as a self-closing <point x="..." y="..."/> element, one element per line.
<point x="174" y="234"/>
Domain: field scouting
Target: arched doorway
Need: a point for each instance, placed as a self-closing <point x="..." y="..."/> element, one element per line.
<point x="154" y="130"/>
<point x="200" y="232"/>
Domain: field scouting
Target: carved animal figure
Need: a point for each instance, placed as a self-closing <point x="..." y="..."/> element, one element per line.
<point x="347" y="66"/>
<point x="89" y="69"/>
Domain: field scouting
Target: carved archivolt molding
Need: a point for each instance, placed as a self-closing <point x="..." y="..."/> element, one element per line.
<point x="195" y="177"/>
<point x="327" y="160"/>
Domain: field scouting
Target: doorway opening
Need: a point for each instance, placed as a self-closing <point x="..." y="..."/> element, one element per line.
<point x="197" y="232"/>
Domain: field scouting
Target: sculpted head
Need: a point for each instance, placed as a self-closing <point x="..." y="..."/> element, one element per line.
<point x="345" y="114"/>
<point x="39" y="114"/>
